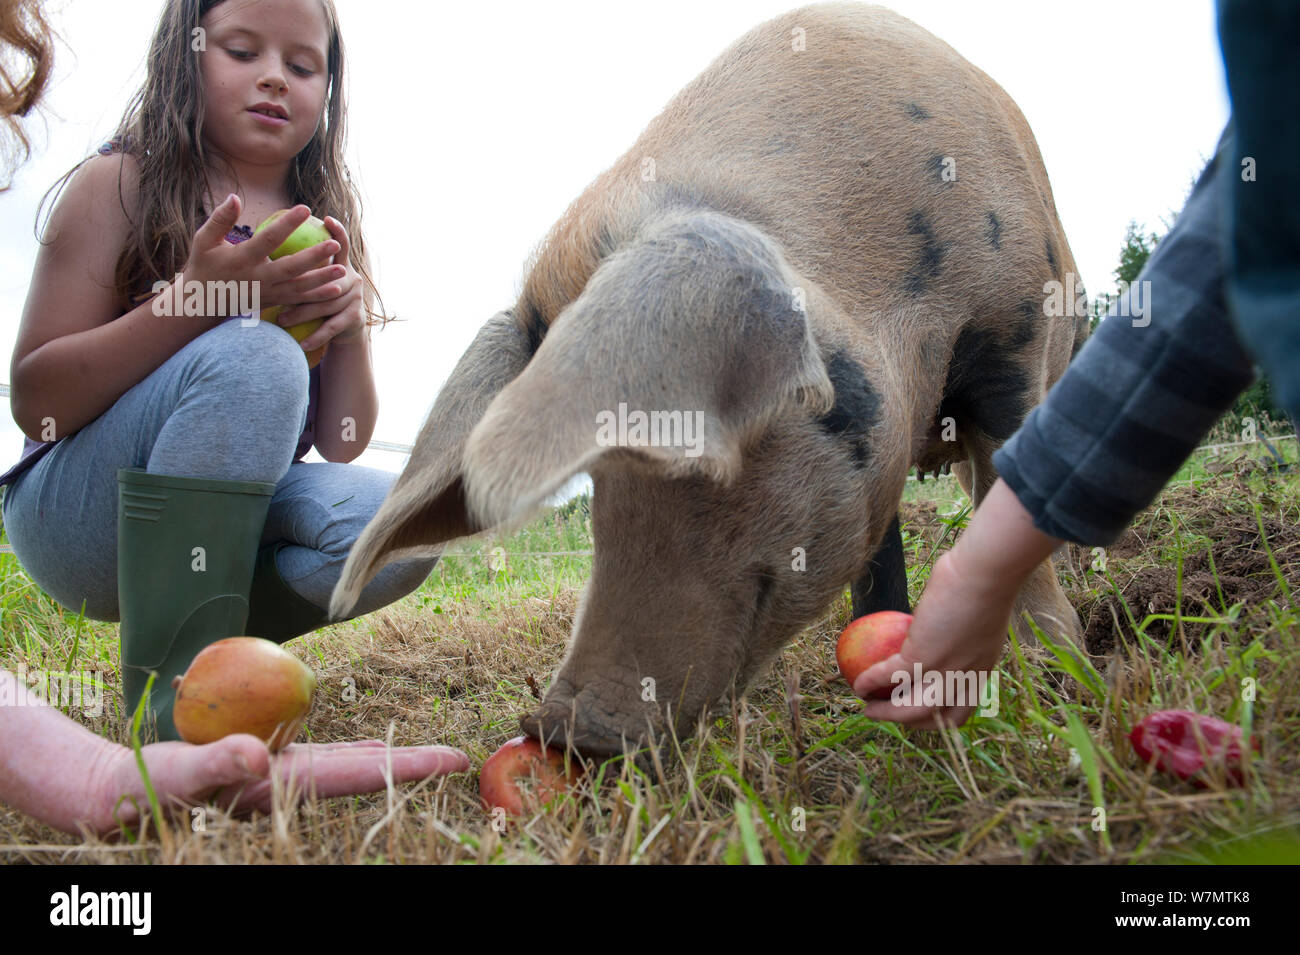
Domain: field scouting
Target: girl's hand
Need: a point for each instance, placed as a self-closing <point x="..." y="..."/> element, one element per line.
<point x="961" y="620"/>
<point x="238" y="773"/>
<point x="344" y="313"/>
<point x="960" y="624"/>
<point x="306" y="276"/>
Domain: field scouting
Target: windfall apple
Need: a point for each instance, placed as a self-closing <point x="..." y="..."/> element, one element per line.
<point x="524" y="760"/>
<point x="243" y="685"/>
<point x="1192" y="746"/>
<point x="868" y="640"/>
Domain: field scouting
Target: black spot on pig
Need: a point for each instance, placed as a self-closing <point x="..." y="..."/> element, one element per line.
<point x="1029" y="318"/>
<point x="856" y="409"/>
<point x="1051" y="257"/>
<point x="993" y="230"/>
<point x="916" y="112"/>
<point x="935" y="165"/>
<point x="986" y="387"/>
<point x="929" y="261"/>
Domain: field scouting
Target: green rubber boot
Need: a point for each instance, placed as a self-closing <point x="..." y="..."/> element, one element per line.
<point x="275" y="610"/>
<point x="185" y="554"/>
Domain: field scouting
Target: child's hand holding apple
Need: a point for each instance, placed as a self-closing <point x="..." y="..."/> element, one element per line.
<point x="300" y="278"/>
<point x="344" y="309"/>
<point x="310" y="233"/>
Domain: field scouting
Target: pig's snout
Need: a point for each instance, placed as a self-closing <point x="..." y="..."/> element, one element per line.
<point x="604" y="718"/>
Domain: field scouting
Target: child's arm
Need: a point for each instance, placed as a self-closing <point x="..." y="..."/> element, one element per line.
<point x="1119" y="423"/>
<point x="74" y="356"/>
<point x="347" y="386"/>
<point x="961" y="619"/>
<point x="59" y="772"/>
<point x="38" y="748"/>
<point x="71" y="360"/>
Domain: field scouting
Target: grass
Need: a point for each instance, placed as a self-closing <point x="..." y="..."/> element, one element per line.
<point x="1193" y="609"/>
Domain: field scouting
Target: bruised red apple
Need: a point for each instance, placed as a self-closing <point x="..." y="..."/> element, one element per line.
<point x="243" y="685"/>
<point x="514" y="763"/>
<point x="1191" y="746"/>
<point x="310" y="233"/>
<point x="868" y="640"/>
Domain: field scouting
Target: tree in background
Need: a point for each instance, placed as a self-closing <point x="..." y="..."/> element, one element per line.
<point x="1133" y="256"/>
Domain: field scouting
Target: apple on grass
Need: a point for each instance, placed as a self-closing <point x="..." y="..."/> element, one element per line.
<point x="868" y="640"/>
<point x="243" y="685"/>
<point x="310" y="233"/>
<point x="517" y="760"/>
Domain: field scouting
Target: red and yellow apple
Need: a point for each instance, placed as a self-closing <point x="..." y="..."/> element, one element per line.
<point x="310" y="233"/>
<point x="520" y="760"/>
<point x="868" y="640"/>
<point x="243" y="685"/>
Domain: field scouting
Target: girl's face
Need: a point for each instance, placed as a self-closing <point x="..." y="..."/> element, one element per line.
<point x="265" y="76"/>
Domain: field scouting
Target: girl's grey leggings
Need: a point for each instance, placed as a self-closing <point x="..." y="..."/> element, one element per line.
<point x="230" y="405"/>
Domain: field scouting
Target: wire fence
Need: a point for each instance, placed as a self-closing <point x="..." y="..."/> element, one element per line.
<point x="407" y="449"/>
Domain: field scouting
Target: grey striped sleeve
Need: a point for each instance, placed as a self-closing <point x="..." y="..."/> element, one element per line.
<point x="1141" y="393"/>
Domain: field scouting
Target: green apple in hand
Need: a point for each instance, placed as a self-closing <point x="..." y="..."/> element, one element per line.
<point x="310" y="233"/>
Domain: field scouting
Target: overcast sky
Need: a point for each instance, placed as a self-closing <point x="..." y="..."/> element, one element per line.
<point x="473" y="127"/>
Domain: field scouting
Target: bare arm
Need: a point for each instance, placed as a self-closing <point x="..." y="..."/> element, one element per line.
<point x="71" y="360"/>
<point x="348" y="391"/>
<point x="38" y="745"/>
<point x="74" y="356"/>
<point x="59" y="772"/>
<point x="1001" y="543"/>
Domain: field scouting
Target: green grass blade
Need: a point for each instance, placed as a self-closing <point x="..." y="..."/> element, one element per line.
<point x="748" y="835"/>
<point x="136" y="721"/>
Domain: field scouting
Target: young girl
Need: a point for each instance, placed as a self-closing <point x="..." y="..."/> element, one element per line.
<point x="162" y="472"/>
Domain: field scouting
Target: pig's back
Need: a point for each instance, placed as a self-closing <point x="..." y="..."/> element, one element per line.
<point x="843" y="151"/>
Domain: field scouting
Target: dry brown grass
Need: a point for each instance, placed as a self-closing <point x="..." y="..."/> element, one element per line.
<point x="790" y="772"/>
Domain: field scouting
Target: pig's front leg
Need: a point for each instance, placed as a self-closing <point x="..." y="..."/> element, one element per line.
<point x="883" y="585"/>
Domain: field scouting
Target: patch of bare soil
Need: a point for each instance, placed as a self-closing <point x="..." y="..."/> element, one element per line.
<point x="1231" y="565"/>
<point x="922" y="518"/>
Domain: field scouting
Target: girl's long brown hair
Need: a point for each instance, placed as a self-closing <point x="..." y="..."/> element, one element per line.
<point x="162" y="129"/>
<point x="23" y="29"/>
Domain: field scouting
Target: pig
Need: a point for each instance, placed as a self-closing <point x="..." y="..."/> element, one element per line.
<point x="832" y="256"/>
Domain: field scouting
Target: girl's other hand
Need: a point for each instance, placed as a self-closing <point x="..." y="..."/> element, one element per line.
<point x="960" y="624"/>
<point x="239" y="773"/>
<point x="306" y="276"/>
<point x="962" y="618"/>
<point x="345" y="312"/>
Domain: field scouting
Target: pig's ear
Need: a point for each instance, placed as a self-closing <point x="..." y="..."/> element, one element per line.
<point x="698" y="316"/>
<point x="426" y="504"/>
